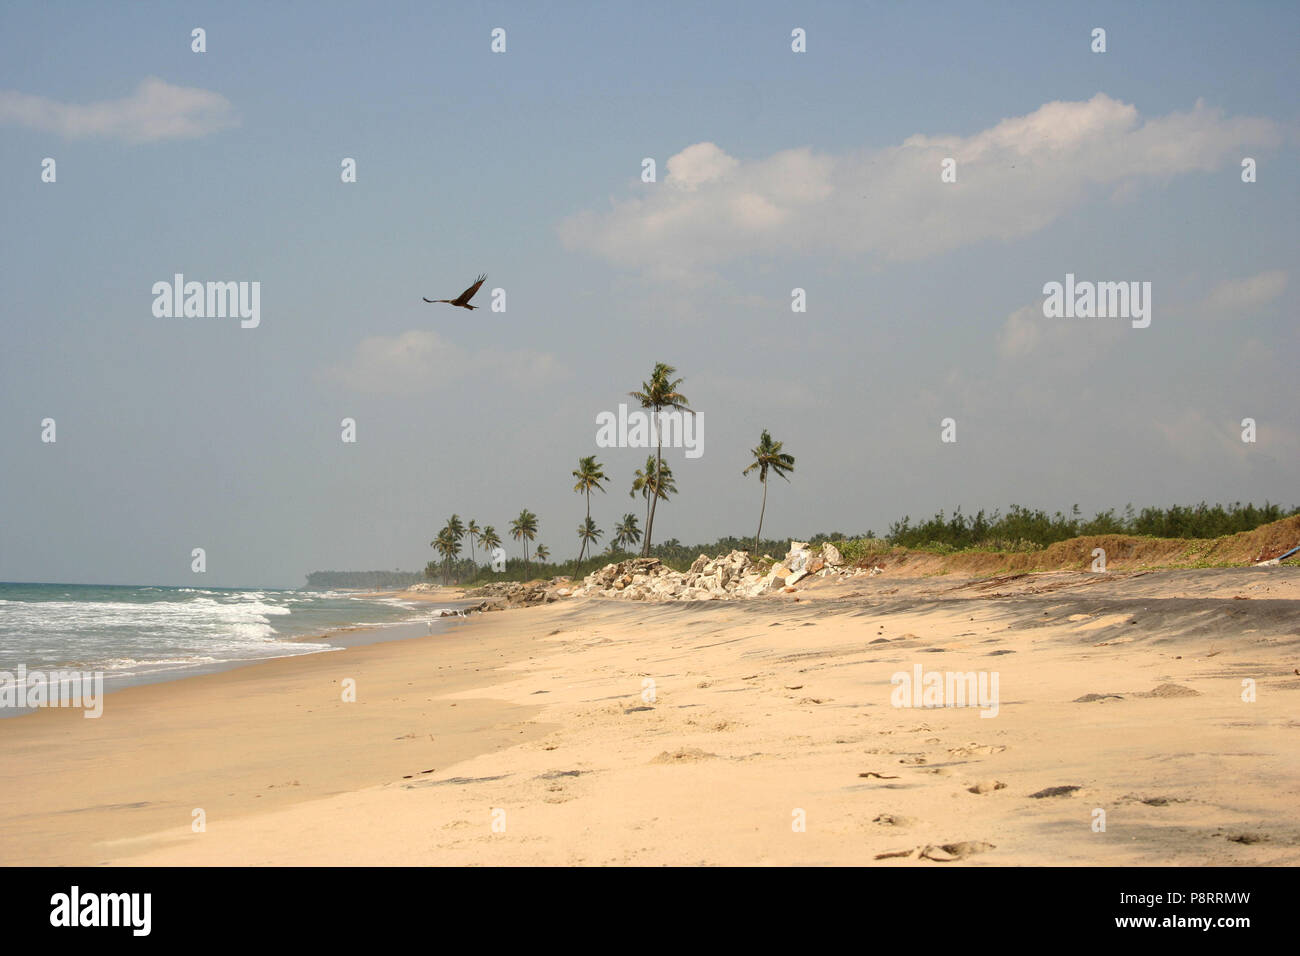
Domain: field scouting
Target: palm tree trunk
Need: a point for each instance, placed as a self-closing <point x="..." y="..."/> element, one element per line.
<point x="761" y="511"/>
<point x="583" y="551"/>
<point x="659" y="467"/>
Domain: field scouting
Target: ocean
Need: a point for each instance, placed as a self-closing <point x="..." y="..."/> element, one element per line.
<point x="143" y="634"/>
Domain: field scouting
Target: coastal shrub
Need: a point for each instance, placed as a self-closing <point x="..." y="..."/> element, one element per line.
<point x="1024" y="529"/>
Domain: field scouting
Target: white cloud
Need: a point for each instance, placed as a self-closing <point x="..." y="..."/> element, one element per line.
<point x="422" y="361"/>
<point x="699" y="164"/>
<point x="1234" y="296"/>
<point x="1012" y="180"/>
<point x="1058" y="344"/>
<point x="1022" y="332"/>
<point x="157" y="110"/>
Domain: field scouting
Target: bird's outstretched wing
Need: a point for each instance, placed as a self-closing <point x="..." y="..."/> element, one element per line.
<point x="468" y="294"/>
<point x="435" y="300"/>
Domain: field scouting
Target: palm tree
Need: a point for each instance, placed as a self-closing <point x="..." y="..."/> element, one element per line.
<point x="524" y="528"/>
<point x="657" y="394"/>
<point x="589" y="534"/>
<point x="643" y="482"/>
<point x="455" y="527"/>
<point x="647" y="484"/>
<point x="445" y="545"/>
<point x="590" y="475"/>
<point x="627" y="532"/>
<point x="768" y="456"/>
<point x="455" y="549"/>
<point x="542" y="553"/>
<point x="489" y="538"/>
<point x="473" y="530"/>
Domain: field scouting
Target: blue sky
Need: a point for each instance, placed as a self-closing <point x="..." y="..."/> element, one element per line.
<point x="790" y="170"/>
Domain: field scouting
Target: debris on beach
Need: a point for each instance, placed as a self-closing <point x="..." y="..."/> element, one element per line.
<point x="506" y="594"/>
<point x="728" y="576"/>
<point x="1054" y="792"/>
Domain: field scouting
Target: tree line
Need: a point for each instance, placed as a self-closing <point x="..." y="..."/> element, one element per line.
<point x="1018" y="529"/>
<point x="1021" y="529"/>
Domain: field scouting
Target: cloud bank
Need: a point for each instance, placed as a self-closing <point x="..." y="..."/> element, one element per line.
<point x="157" y="110"/>
<point x="1013" y="179"/>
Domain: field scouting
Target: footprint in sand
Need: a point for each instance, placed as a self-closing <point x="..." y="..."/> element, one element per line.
<point x="894" y="820"/>
<point x="684" y="755"/>
<point x="976" y="750"/>
<point x="987" y="786"/>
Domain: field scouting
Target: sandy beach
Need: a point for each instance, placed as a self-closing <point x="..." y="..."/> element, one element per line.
<point x="755" y="732"/>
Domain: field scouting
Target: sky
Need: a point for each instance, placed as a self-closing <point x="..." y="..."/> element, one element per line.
<point x="775" y="170"/>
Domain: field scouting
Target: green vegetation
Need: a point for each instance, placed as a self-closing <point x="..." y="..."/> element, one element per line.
<point x="768" y="457"/>
<point x="524" y="528"/>
<point x="1018" y="532"/>
<point x="1022" y="529"/>
<point x="657" y="394"/>
<point x="590" y="474"/>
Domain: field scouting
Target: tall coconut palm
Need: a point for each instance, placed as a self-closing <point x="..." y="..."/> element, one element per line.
<point x="455" y="550"/>
<point x="657" y="394"/>
<point x="524" y="528"/>
<point x="589" y="534"/>
<point x="489" y="538"/>
<point x="446" y="545"/>
<point x="590" y="474"/>
<point x="455" y="526"/>
<point x="626" y="533"/>
<point x="437" y="545"/>
<point x="768" y="457"/>
<point x="473" y="530"/>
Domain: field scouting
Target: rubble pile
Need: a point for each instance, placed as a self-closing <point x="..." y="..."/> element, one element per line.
<point x="506" y="594"/>
<point x="726" y="577"/>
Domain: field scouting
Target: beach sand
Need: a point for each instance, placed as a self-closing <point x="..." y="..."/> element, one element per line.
<point x="748" y="732"/>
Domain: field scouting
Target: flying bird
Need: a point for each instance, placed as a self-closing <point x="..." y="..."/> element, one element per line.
<point x="462" y="300"/>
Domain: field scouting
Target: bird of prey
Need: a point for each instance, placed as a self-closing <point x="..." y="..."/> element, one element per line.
<point x="462" y="300"/>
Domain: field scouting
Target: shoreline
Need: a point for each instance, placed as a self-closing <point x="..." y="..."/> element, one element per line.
<point x="1123" y="691"/>
<point x="236" y="741"/>
<point x="335" y="638"/>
